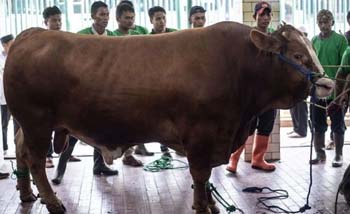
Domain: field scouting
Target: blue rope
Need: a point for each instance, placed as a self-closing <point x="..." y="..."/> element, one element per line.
<point x="307" y="72"/>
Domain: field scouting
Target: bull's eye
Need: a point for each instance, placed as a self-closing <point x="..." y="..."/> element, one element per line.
<point x="298" y="56"/>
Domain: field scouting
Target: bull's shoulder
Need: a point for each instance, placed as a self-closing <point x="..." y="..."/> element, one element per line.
<point x="230" y="26"/>
<point x="29" y="32"/>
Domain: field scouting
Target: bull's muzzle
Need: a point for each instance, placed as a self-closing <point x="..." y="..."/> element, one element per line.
<point x="324" y="87"/>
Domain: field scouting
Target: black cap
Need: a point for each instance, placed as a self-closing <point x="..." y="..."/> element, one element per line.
<point x="197" y="9"/>
<point x="261" y="6"/>
<point x="6" y="39"/>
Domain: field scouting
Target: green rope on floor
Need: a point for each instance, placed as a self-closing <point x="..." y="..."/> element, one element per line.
<point x="229" y="208"/>
<point x="164" y="163"/>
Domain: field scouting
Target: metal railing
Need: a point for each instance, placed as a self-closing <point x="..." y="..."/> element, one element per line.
<point x="304" y="13"/>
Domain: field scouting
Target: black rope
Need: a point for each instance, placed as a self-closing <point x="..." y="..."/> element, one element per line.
<point x="283" y="194"/>
<point x="336" y="200"/>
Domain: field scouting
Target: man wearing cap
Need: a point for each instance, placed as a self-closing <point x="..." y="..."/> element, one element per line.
<point x="197" y="16"/>
<point x="263" y="122"/>
<point x="6" y="43"/>
<point x="329" y="47"/>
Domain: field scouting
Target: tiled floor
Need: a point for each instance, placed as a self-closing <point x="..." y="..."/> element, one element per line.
<point x="137" y="191"/>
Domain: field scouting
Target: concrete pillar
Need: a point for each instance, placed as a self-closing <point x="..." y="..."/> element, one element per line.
<point x="273" y="152"/>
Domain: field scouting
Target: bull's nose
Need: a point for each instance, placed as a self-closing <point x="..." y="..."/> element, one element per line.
<point x="324" y="87"/>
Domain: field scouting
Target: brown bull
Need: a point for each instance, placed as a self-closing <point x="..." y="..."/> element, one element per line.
<point x="193" y="90"/>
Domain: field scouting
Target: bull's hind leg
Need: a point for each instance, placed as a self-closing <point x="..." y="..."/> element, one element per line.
<point x="23" y="177"/>
<point x="36" y="143"/>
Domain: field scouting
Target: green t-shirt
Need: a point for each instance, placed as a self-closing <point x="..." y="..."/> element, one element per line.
<point x="330" y="51"/>
<point x="89" y="31"/>
<point x="140" y="29"/>
<point x="346" y="60"/>
<point x="167" y="30"/>
<point x="131" y="32"/>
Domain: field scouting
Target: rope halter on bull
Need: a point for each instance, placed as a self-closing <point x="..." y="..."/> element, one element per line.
<point x="305" y="71"/>
<point x="310" y="76"/>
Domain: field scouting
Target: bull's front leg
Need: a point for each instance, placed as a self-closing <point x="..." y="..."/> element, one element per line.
<point x="36" y="143"/>
<point x="200" y="195"/>
<point x="22" y="172"/>
<point x="200" y="170"/>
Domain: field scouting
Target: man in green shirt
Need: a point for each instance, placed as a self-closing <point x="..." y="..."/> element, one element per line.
<point x="343" y="74"/>
<point x="136" y="29"/>
<point x="347" y="33"/>
<point x="125" y="15"/>
<point x="157" y="16"/>
<point x="52" y="20"/>
<point x="100" y="16"/>
<point x="329" y="47"/>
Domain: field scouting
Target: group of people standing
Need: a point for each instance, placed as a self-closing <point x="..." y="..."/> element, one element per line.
<point x="333" y="53"/>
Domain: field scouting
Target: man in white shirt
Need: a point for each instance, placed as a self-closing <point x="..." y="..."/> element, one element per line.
<point x="6" y="43"/>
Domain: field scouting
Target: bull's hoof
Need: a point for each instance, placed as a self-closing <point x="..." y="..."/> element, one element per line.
<point x="56" y="208"/>
<point x="28" y="198"/>
<point x="202" y="210"/>
<point x="214" y="209"/>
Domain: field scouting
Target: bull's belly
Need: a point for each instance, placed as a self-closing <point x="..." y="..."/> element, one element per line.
<point x="126" y="134"/>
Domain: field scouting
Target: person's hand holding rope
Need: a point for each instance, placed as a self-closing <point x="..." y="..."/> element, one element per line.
<point x="339" y="103"/>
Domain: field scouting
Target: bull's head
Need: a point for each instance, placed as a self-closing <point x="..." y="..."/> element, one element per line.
<point x="296" y="51"/>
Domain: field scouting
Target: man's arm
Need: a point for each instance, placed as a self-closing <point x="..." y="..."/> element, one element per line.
<point x="343" y="77"/>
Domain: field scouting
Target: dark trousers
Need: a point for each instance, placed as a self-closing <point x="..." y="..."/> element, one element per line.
<point x="163" y="148"/>
<point x="50" y="151"/>
<point x="68" y="152"/>
<point x="319" y="118"/>
<point x="299" y="118"/>
<point x="263" y="123"/>
<point x="5" y="118"/>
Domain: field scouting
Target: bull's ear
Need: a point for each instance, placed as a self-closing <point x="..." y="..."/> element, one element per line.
<point x="265" y="42"/>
